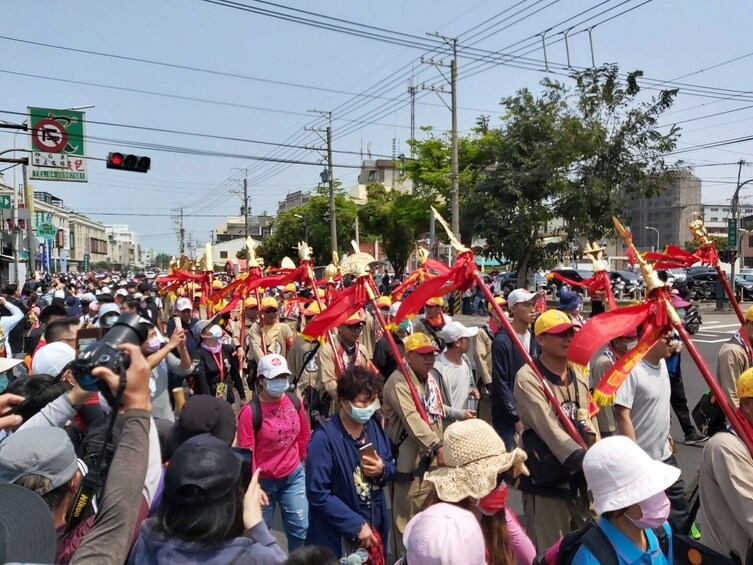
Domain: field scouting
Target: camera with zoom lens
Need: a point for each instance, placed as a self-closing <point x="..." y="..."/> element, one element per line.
<point x="105" y="353"/>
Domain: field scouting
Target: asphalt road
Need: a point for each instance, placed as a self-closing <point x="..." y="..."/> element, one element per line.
<point x="717" y="328"/>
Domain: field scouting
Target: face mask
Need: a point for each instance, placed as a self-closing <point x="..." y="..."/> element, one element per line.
<point x="277" y="387"/>
<point x="215" y="332"/>
<point x="362" y="415"/>
<point x="107" y="321"/>
<point x="494" y="501"/>
<point x="655" y="512"/>
<point x="153" y="344"/>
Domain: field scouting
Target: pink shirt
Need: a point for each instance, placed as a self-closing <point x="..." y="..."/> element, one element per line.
<point x="283" y="437"/>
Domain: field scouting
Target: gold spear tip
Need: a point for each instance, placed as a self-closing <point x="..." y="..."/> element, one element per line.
<point x="304" y="251"/>
<point x="456" y="245"/>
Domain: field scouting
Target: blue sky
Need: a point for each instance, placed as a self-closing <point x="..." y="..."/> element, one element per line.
<point x="667" y="39"/>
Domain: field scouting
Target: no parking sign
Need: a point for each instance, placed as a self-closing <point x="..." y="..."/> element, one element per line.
<point x="57" y="145"/>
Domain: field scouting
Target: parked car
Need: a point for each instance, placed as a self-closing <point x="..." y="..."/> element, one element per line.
<point x="744" y="286"/>
<point x="701" y="285"/>
<point x="691" y="271"/>
<point x="631" y="282"/>
<point x="575" y="275"/>
<point x="509" y="282"/>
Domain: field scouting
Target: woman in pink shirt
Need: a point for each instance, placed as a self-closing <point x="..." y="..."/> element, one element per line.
<point x="278" y="442"/>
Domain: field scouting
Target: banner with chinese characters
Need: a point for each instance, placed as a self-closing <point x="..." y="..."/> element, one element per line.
<point x="57" y="145"/>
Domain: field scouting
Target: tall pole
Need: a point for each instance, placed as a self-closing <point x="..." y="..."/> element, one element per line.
<point x="29" y="203"/>
<point x="454" y="110"/>
<point x="245" y="208"/>
<point x="331" y="175"/>
<point x="412" y="93"/>
<point x="735" y="212"/>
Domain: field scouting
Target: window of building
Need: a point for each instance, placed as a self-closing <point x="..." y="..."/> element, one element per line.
<point x="714" y="219"/>
<point x="223" y="254"/>
<point x="714" y="209"/>
<point x="750" y="241"/>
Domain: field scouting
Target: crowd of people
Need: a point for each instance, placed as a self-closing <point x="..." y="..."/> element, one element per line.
<point x="185" y="453"/>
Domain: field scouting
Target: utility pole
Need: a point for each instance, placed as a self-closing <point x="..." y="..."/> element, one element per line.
<point x="328" y="175"/>
<point x="178" y="221"/>
<point x="245" y="208"/>
<point x="452" y="42"/>
<point x="29" y="205"/>
<point x="736" y="218"/>
<point x="412" y="93"/>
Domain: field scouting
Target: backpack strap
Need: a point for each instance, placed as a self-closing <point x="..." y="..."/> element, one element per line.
<point x="663" y="538"/>
<point x="255" y="407"/>
<point x="600" y="546"/>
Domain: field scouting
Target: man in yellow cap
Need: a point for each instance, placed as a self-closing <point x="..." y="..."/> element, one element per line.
<point x="278" y="337"/>
<point x="290" y="312"/>
<point x="553" y="510"/>
<point x="349" y="350"/>
<point x="301" y="362"/>
<point x="372" y="331"/>
<point x="419" y="444"/>
<point x="735" y="357"/>
<point x="433" y="321"/>
<point x="483" y="357"/>
<point x="726" y="483"/>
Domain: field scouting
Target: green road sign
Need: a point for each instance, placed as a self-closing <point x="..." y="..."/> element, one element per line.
<point x="4" y="201"/>
<point x="57" y="145"/>
<point x="86" y="262"/>
<point x="46" y="230"/>
<point x="732" y="233"/>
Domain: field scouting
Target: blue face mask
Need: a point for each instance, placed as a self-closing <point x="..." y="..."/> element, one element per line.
<point x="277" y="387"/>
<point x="362" y="415"/>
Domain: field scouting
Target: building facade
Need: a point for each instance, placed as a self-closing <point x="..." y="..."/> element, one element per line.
<point x="259" y="227"/>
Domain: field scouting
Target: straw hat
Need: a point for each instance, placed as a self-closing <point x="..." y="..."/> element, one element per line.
<point x="475" y="455"/>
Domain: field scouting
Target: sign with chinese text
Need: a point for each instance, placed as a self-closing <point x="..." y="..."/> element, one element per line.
<point x="57" y="145"/>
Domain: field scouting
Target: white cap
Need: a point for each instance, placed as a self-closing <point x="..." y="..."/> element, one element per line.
<point x="105" y="290"/>
<point x="138" y="296"/>
<point x="619" y="474"/>
<point x="183" y="304"/>
<point x="121" y="292"/>
<point x="272" y="366"/>
<point x="52" y="358"/>
<point x="444" y="534"/>
<point x="394" y="308"/>
<point x="109" y="308"/>
<point x="453" y="331"/>
<point x="59" y="294"/>
<point x="520" y="295"/>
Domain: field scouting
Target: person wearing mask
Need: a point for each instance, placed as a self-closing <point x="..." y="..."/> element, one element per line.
<point x="642" y="412"/>
<point x="207" y="515"/>
<point x="183" y="310"/>
<point x="302" y="362"/>
<point x="726" y="483"/>
<point x="150" y="308"/>
<point x="108" y="314"/>
<point x="278" y="337"/>
<point x="599" y="367"/>
<point x="349" y="350"/>
<point x="161" y="363"/>
<point x="482" y="353"/>
<point x="349" y="465"/>
<point x="216" y="364"/>
<point x="735" y="357"/>
<point x="278" y="447"/>
<point x="455" y="375"/>
<point x="551" y="511"/>
<point x="477" y="464"/>
<point x="507" y="361"/>
<point x="418" y="443"/>
<point x="433" y="321"/>
<point x="628" y="495"/>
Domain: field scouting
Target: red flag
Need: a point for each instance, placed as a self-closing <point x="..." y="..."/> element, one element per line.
<point x="347" y="302"/>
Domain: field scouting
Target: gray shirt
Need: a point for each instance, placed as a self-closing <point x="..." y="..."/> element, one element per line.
<point x="455" y="382"/>
<point x="646" y="393"/>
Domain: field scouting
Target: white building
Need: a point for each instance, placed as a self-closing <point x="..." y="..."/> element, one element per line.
<point x="715" y="217"/>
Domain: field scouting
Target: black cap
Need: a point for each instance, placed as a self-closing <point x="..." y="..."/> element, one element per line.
<point x="203" y="469"/>
<point x="202" y="414"/>
<point x="27" y="532"/>
<point x="144" y="287"/>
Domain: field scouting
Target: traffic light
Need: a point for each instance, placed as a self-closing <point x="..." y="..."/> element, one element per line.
<point x="128" y="162"/>
<point x="732" y="255"/>
<point x="724" y="255"/>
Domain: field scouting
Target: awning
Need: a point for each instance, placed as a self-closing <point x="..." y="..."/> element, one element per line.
<point x="484" y="262"/>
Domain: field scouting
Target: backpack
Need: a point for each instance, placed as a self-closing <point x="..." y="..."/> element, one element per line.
<point x="255" y="407"/>
<point x="593" y="537"/>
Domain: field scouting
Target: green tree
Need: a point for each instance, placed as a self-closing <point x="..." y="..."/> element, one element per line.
<point x="719" y="242"/>
<point x="396" y="219"/>
<point x="162" y="260"/>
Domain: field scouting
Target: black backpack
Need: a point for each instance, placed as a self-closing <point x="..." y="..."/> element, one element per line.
<point x="597" y="542"/>
<point x="255" y="407"/>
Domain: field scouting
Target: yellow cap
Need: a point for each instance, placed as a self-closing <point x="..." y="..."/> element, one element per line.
<point x="552" y="322"/>
<point x="269" y="303"/>
<point x="290" y="287"/>
<point x="356" y="318"/>
<point x="436" y="301"/>
<point x="745" y="384"/>
<point x="384" y="301"/>
<point x="320" y="292"/>
<point x="420" y="343"/>
<point x="217" y="284"/>
<point x="499" y="300"/>
<point x="251" y="302"/>
<point x="312" y="309"/>
<point x="749" y="314"/>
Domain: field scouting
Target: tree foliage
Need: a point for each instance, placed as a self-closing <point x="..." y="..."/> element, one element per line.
<point x="396" y="219"/>
<point x="719" y="242"/>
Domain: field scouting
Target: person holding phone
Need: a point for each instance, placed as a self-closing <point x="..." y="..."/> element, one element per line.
<point x="350" y="461"/>
<point x="454" y="374"/>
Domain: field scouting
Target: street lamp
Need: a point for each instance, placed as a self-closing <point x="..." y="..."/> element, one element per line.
<point x="657" y="237"/>
<point x="305" y="227"/>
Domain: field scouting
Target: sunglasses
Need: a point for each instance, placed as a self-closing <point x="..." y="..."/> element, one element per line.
<point x="270" y="311"/>
<point x="358" y="326"/>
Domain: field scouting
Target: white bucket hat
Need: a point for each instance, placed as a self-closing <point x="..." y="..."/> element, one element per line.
<point x="475" y="455"/>
<point x="619" y="474"/>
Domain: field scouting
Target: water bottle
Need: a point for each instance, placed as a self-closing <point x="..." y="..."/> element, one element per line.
<point x="471" y="403"/>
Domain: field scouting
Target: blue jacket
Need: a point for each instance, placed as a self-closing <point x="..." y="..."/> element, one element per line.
<point x="256" y="546"/>
<point x="336" y="510"/>
<point x="627" y="552"/>
<point x="506" y="362"/>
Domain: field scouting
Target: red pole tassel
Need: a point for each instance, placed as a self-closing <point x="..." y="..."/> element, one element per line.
<point x="732" y="299"/>
<point x="330" y="339"/>
<point x="566" y="422"/>
<point x="711" y="381"/>
<point x="372" y="292"/>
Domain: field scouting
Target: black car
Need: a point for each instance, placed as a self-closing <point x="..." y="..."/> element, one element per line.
<point x="575" y="275"/>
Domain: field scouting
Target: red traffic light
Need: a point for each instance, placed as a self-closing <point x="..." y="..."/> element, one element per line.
<point x="128" y="162"/>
